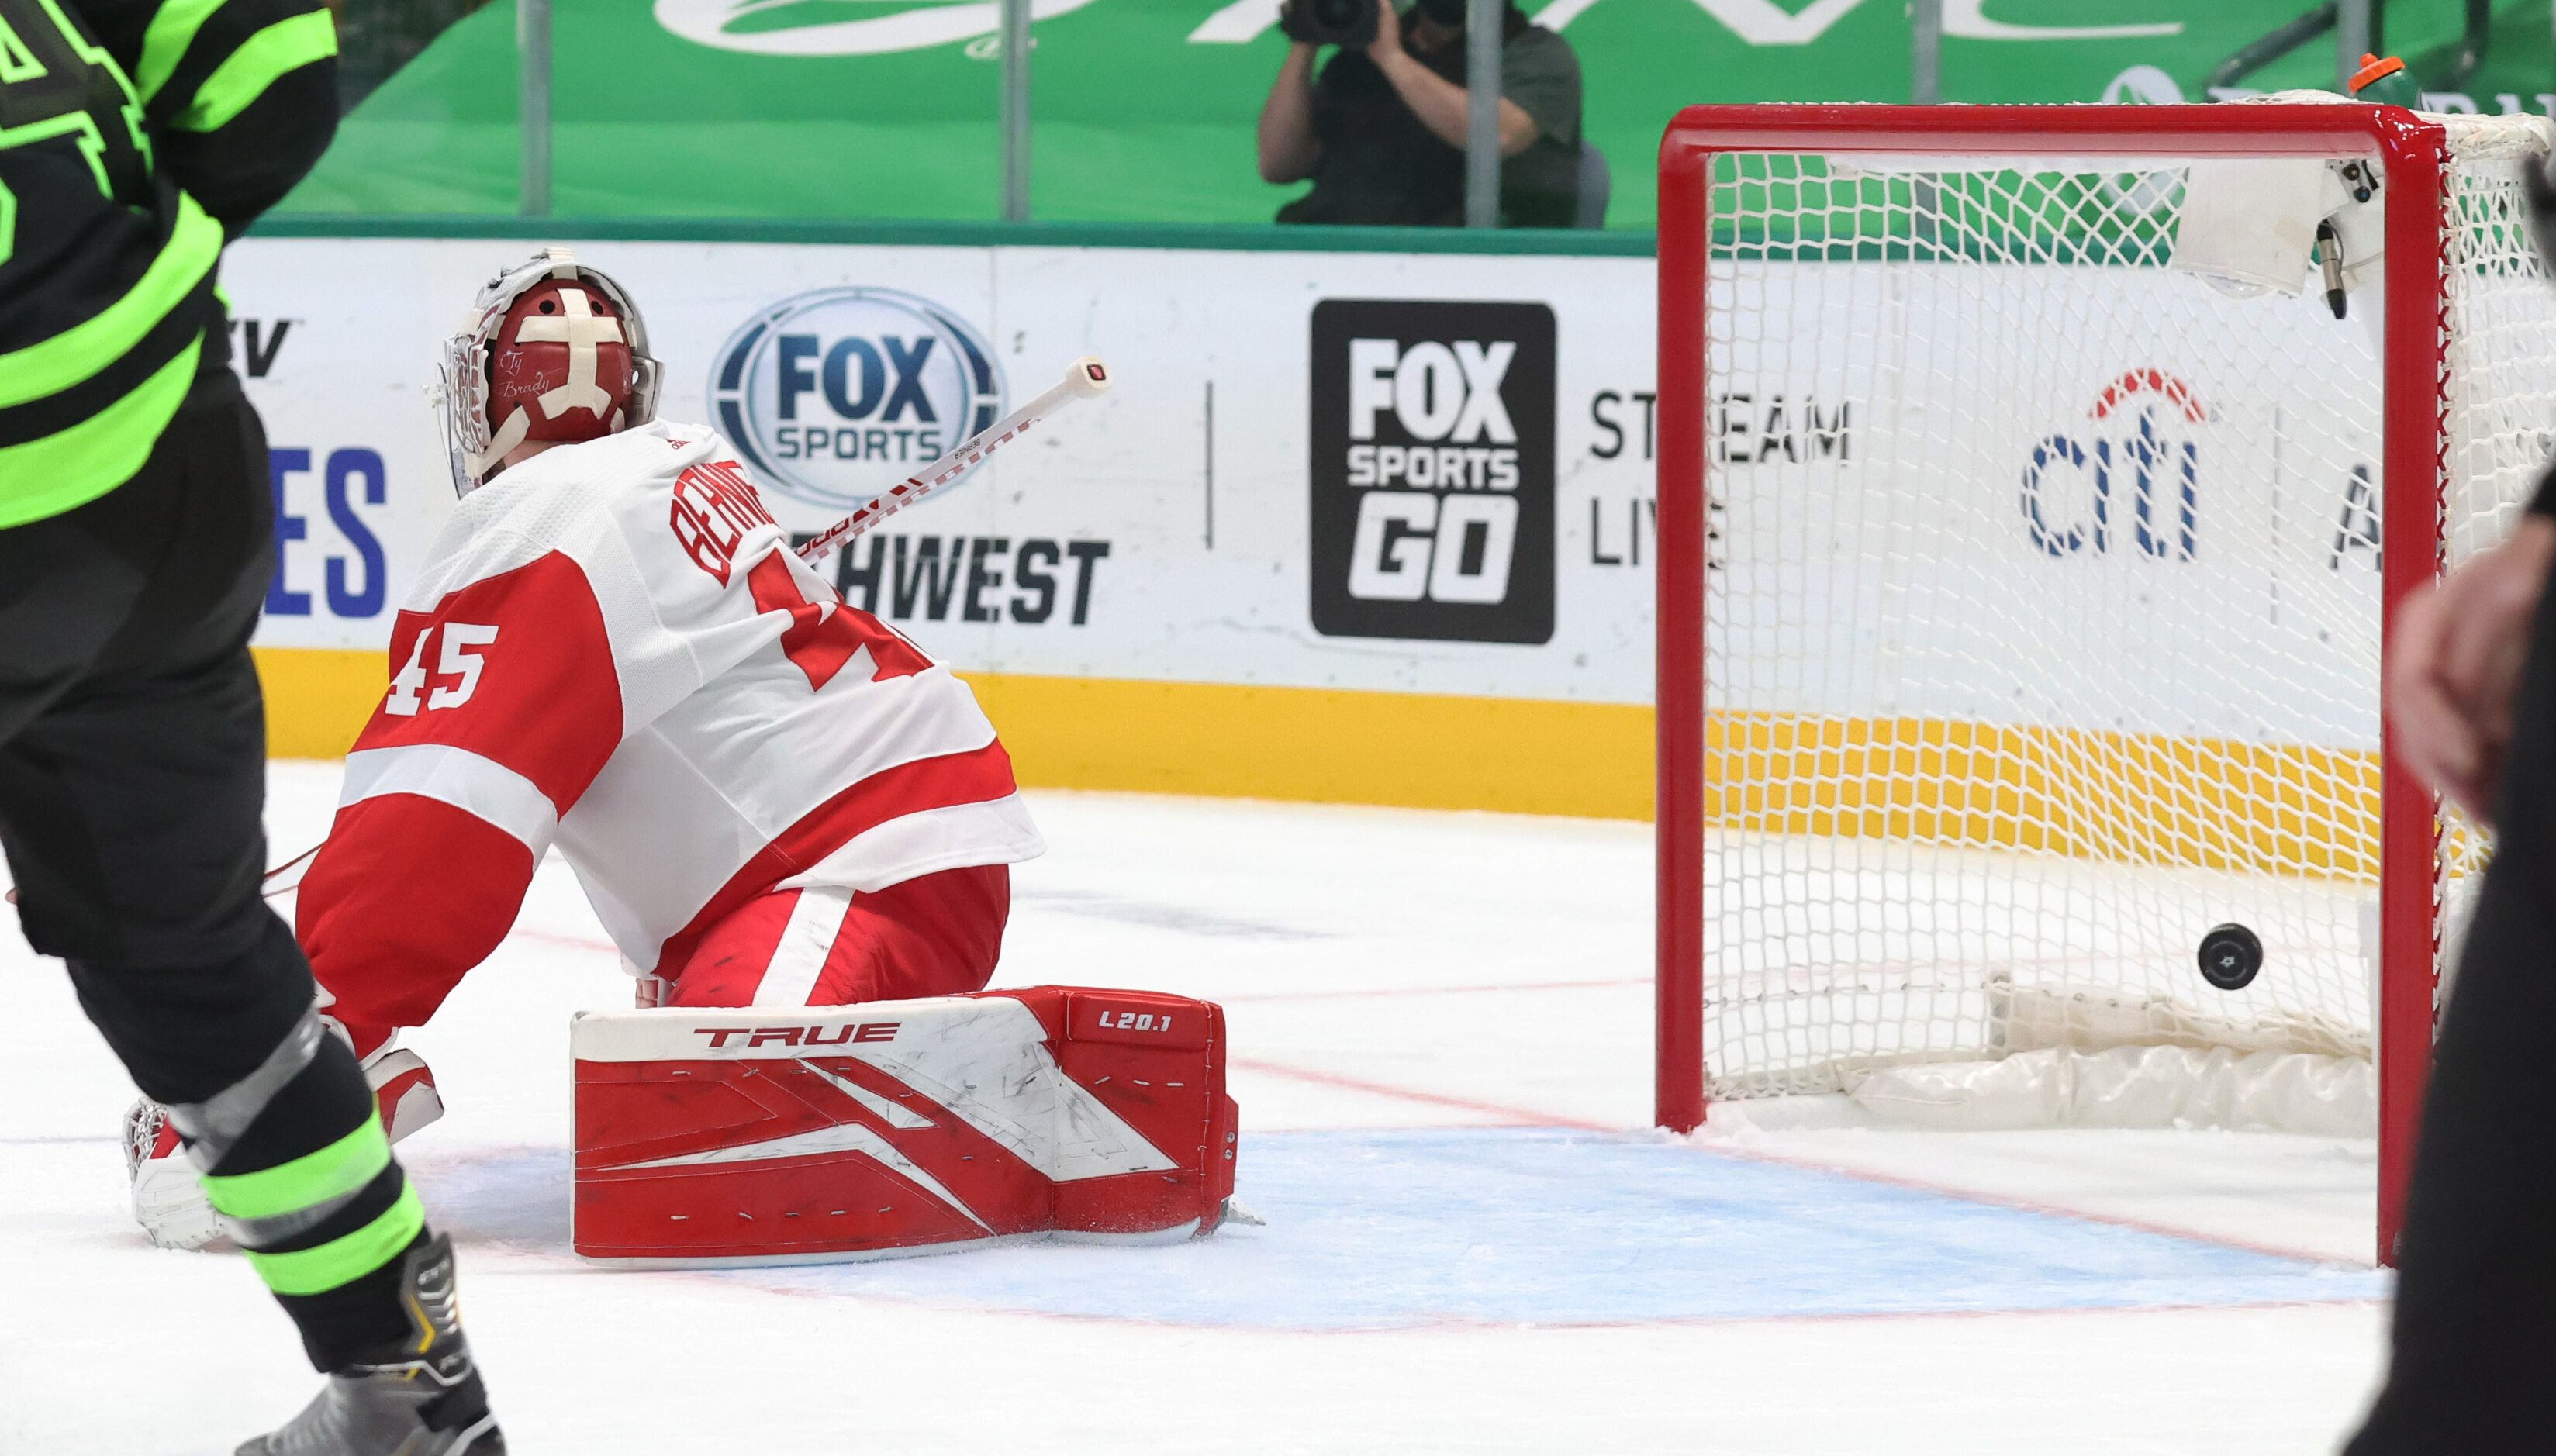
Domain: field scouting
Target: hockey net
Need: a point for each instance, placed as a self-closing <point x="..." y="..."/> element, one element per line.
<point x="2024" y="592"/>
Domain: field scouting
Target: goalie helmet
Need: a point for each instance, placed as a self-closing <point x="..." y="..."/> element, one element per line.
<point x="553" y="351"/>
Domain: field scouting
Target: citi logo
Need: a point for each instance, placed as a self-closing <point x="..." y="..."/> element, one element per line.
<point x="837" y="395"/>
<point x="2129" y="482"/>
<point x="845" y="1034"/>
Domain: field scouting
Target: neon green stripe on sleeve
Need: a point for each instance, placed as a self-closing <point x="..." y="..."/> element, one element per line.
<point x="77" y="352"/>
<point x="286" y="45"/>
<point x="343" y="1261"/>
<point x="54" y="473"/>
<point x="164" y="44"/>
<point x="306" y="1181"/>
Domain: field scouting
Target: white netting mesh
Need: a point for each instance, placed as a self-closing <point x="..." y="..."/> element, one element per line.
<point x="2043" y="621"/>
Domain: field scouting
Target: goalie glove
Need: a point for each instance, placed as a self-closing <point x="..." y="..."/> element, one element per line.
<point x="167" y="1202"/>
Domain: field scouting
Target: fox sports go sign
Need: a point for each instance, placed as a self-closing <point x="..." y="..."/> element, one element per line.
<point x="837" y="395"/>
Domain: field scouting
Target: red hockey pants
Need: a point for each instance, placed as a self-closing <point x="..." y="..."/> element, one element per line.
<point x="938" y="934"/>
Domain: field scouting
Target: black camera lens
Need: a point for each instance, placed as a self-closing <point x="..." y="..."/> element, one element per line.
<point x="1349" y="23"/>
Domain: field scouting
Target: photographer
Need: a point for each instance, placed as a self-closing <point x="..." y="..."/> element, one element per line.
<point x="1381" y="131"/>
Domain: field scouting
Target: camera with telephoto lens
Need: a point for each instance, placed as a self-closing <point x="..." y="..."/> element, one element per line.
<point x="1350" y="23"/>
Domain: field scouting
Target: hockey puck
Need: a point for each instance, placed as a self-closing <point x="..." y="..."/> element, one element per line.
<point x="2230" y="956"/>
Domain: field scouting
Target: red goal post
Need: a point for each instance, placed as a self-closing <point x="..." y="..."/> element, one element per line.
<point x="2413" y="152"/>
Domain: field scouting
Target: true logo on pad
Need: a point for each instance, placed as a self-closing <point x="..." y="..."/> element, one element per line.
<point x="840" y="1035"/>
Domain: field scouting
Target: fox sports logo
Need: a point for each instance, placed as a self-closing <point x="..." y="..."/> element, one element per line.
<point x="837" y="395"/>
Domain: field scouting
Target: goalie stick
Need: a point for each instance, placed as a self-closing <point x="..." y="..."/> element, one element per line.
<point x="1084" y="378"/>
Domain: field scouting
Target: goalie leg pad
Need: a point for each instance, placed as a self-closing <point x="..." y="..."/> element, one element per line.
<point x="766" y="1136"/>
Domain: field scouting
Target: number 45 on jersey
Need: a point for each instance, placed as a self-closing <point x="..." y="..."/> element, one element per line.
<point x="457" y="671"/>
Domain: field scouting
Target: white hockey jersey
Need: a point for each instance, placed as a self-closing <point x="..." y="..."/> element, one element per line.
<point x="612" y="648"/>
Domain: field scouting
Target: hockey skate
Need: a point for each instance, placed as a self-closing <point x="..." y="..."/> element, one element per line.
<point x="421" y="1397"/>
<point x="167" y="1202"/>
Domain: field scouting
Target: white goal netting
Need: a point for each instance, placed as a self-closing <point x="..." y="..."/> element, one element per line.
<point x="2043" y="616"/>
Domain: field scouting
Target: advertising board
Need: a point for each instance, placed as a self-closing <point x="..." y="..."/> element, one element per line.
<point x="1332" y="523"/>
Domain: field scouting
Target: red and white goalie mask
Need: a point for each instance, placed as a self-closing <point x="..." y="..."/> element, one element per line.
<point x="553" y="351"/>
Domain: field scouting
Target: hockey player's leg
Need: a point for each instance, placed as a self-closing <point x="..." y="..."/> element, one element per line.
<point x="297" y="1169"/>
<point x="130" y="799"/>
<point x="2475" y="1326"/>
<point x="938" y="934"/>
<point x="331" y="1225"/>
<point x="934" y="935"/>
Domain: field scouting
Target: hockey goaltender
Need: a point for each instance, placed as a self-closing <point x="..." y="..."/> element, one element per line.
<point x="773" y="799"/>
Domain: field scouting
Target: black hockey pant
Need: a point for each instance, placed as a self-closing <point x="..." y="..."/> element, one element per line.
<point x="2474" y="1367"/>
<point x="132" y="779"/>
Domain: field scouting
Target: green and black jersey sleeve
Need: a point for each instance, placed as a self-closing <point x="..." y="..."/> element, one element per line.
<point x="240" y="97"/>
<point x="135" y="135"/>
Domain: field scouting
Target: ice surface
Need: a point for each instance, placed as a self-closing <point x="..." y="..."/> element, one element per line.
<point x="1442" y="1035"/>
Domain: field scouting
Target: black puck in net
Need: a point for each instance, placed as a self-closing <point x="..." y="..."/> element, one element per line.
<point x="2230" y="956"/>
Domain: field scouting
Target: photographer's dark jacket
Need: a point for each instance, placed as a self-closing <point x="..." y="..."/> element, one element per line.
<point x="1381" y="167"/>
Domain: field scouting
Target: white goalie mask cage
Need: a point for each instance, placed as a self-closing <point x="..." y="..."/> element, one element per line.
<point x="461" y="393"/>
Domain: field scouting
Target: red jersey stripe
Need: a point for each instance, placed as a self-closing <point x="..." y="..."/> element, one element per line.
<point x="975" y="777"/>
